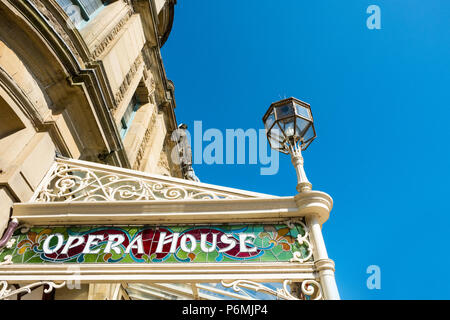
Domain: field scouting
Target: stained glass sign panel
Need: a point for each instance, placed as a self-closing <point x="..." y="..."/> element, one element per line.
<point x="161" y="244"/>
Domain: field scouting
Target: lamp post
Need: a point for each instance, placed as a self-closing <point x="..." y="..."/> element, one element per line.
<point x="290" y="129"/>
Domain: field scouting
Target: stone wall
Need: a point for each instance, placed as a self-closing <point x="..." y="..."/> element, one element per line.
<point x="64" y="91"/>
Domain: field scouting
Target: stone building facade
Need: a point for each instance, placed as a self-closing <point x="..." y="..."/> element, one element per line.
<point x="84" y="80"/>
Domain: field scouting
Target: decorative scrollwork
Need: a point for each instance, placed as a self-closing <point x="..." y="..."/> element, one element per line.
<point x="70" y="183"/>
<point x="6" y="293"/>
<point x="258" y="287"/>
<point x="7" y="260"/>
<point x="301" y="239"/>
<point x="290" y="224"/>
<point x="309" y="289"/>
<point x="312" y="289"/>
<point x="24" y="228"/>
<point x="10" y="243"/>
<point x="306" y="290"/>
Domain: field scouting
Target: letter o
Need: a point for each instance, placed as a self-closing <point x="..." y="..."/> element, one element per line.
<point x="58" y="246"/>
<point x="183" y="243"/>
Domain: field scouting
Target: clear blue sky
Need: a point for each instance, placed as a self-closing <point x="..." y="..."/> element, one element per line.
<point x="380" y="99"/>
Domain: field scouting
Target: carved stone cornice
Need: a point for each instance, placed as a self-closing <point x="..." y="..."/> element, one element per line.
<point x="120" y="94"/>
<point x="103" y="45"/>
<point x="63" y="26"/>
<point x="144" y="143"/>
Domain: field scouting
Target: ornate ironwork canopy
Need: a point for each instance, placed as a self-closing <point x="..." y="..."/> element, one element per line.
<point x="159" y="237"/>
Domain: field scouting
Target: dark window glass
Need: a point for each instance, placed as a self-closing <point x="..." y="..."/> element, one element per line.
<point x="90" y="6"/>
<point x="64" y="3"/>
<point x="128" y="116"/>
<point x="85" y="8"/>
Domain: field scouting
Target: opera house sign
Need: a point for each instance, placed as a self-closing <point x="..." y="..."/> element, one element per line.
<point x="203" y="244"/>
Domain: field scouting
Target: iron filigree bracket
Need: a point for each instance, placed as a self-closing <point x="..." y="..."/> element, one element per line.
<point x="6" y="293"/>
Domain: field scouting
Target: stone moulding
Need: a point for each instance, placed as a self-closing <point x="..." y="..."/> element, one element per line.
<point x="76" y="47"/>
<point x="144" y="143"/>
<point x="103" y="45"/>
<point x="59" y="20"/>
<point x="120" y="94"/>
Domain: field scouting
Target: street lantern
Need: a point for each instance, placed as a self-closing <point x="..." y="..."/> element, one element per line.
<point x="290" y="129"/>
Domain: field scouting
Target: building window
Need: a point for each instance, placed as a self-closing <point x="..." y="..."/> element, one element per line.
<point x="81" y="11"/>
<point x="90" y="6"/>
<point x="128" y="116"/>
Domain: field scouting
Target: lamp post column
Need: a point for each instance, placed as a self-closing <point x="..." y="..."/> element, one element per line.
<point x="303" y="183"/>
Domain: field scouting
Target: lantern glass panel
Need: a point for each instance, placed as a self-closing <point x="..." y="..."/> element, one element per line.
<point x="276" y="133"/>
<point x="288" y="126"/>
<point x="301" y="126"/>
<point x="306" y="145"/>
<point x="309" y="134"/>
<point x="274" y="143"/>
<point x="284" y="111"/>
<point x="303" y="111"/>
<point x="269" y="121"/>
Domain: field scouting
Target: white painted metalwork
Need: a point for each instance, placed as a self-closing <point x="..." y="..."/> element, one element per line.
<point x="167" y="291"/>
<point x="75" y="180"/>
<point x="303" y="183"/>
<point x="301" y="239"/>
<point x="5" y="293"/>
<point x="308" y="290"/>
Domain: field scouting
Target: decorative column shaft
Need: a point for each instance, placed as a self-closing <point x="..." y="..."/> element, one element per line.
<point x="324" y="265"/>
